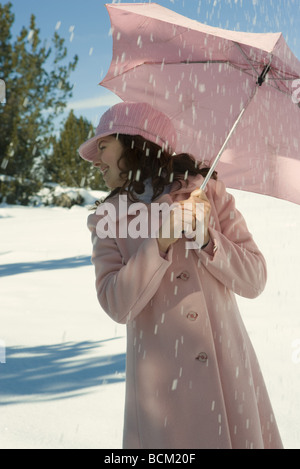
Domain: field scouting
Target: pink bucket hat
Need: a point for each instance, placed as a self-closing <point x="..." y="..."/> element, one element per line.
<point x="132" y="119"/>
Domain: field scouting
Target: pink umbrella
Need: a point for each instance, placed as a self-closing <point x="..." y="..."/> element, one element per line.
<point x="228" y="93"/>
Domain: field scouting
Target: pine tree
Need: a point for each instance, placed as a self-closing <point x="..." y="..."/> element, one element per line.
<point x="64" y="165"/>
<point x="37" y="88"/>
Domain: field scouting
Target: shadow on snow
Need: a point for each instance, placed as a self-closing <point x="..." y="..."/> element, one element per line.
<point x="57" y="371"/>
<point x="25" y="267"/>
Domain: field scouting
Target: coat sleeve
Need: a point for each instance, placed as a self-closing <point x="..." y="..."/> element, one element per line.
<point x="232" y="256"/>
<point x="123" y="291"/>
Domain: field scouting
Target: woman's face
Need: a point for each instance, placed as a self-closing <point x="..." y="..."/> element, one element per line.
<point x="109" y="153"/>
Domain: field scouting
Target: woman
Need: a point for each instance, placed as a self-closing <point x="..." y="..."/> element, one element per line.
<point x="192" y="377"/>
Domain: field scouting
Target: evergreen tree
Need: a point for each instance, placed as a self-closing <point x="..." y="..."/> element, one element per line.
<point x="64" y="165"/>
<point x="37" y="88"/>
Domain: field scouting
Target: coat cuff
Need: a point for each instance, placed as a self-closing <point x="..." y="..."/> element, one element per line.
<point x="212" y="247"/>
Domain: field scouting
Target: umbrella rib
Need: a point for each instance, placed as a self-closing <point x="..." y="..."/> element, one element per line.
<point x="276" y="85"/>
<point x="267" y="68"/>
<point x="246" y="57"/>
<point x="204" y="62"/>
<point x="274" y="78"/>
<point x="188" y="62"/>
<point x="228" y="62"/>
<point x="282" y="79"/>
<point x="264" y="73"/>
<point x="277" y="88"/>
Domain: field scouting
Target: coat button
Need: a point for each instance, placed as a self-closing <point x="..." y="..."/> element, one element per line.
<point x="192" y="316"/>
<point x="202" y="357"/>
<point x="184" y="275"/>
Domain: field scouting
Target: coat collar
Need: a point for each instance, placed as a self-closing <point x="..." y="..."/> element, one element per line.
<point x="176" y="193"/>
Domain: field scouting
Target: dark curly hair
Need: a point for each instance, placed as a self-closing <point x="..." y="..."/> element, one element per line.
<point x="142" y="159"/>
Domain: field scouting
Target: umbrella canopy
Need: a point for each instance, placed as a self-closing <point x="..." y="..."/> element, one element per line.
<point x="204" y="79"/>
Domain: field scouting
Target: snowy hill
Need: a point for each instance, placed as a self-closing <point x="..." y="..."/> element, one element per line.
<point x="62" y="385"/>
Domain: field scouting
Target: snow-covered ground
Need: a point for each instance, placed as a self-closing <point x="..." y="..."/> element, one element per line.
<point x="62" y="385"/>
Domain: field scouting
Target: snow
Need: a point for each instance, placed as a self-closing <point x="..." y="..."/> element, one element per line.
<point x="63" y="382"/>
<point x="48" y="193"/>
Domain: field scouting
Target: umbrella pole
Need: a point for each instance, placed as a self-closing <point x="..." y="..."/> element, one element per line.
<point x="212" y="168"/>
<point x="259" y="82"/>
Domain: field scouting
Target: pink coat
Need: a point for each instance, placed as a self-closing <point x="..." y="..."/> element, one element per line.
<point x="192" y="377"/>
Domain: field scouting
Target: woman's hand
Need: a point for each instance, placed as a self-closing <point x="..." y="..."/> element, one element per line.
<point x="171" y="229"/>
<point x="200" y="213"/>
<point x="185" y="217"/>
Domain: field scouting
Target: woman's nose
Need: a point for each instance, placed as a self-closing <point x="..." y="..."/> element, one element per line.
<point x="96" y="162"/>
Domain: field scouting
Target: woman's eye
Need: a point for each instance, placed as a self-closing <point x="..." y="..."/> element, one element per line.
<point x="102" y="148"/>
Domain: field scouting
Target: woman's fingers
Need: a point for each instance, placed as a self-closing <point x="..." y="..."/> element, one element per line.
<point x="200" y="195"/>
<point x="196" y="209"/>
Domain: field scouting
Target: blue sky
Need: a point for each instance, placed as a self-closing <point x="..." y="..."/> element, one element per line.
<point x="85" y="25"/>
